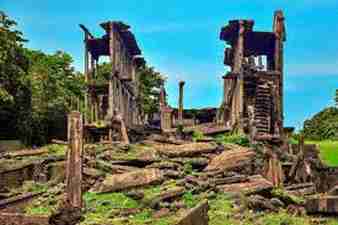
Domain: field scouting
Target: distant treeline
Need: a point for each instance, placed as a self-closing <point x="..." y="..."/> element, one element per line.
<point x="323" y="125"/>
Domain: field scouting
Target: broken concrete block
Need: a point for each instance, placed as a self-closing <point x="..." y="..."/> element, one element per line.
<point x="128" y="180"/>
<point x="323" y="204"/>
<point x="334" y="191"/>
<point x="254" y="185"/>
<point x="167" y="195"/>
<point x="196" y="216"/>
<point x="21" y="219"/>
<point x="301" y="189"/>
<point x="188" y="150"/>
<point x="231" y="159"/>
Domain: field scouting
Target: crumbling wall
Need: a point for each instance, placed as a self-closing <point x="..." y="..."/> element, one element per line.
<point x="252" y="100"/>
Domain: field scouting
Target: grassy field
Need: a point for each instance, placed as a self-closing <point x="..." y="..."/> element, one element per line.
<point x="328" y="151"/>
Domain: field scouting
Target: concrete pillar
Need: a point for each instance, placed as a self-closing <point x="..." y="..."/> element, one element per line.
<point x="239" y="55"/>
<point x="111" y="78"/>
<point x="74" y="160"/>
<point x="279" y="30"/>
<point x="86" y="65"/>
<point x="180" y="102"/>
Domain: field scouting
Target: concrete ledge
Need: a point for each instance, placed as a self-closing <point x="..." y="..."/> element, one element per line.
<point x="21" y="219"/>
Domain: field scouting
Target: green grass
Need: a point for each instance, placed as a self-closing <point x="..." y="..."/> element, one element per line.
<point x="191" y="200"/>
<point x="197" y="135"/>
<point x="328" y="151"/>
<point x="238" y="139"/>
<point x="56" y="149"/>
<point x="220" y="211"/>
<point x="100" y="209"/>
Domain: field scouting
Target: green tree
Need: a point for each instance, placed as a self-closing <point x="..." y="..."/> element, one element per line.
<point x="14" y="85"/>
<point x="150" y="83"/>
<point x="55" y="87"/>
<point x="323" y="125"/>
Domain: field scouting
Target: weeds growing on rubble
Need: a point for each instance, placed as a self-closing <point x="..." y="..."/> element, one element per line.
<point x="238" y="139"/>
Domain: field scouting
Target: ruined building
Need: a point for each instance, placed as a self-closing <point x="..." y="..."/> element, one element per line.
<point x="117" y="96"/>
<point x="253" y="89"/>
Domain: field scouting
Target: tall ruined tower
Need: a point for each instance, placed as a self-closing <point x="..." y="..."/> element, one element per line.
<point x="253" y="89"/>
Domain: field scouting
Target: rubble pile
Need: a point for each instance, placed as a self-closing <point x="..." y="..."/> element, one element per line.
<point x="163" y="180"/>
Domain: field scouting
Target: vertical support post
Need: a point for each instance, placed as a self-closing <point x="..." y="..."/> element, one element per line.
<point x="180" y="102"/>
<point x="279" y="30"/>
<point x="239" y="55"/>
<point x="301" y="144"/>
<point x="112" y="49"/>
<point x="74" y="160"/>
<point x="86" y="64"/>
<point x="111" y="78"/>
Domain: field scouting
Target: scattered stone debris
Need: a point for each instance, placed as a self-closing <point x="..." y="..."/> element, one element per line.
<point x="128" y="180"/>
<point x="164" y="175"/>
<point x="196" y="216"/>
<point x="238" y="158"/>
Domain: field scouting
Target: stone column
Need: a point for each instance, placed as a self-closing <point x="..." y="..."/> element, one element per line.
<point x="74" y="160"/>
<point x="237" y="69"/>
<point x="111" y="78"/>
<point x="279" y="30"/>
<point x="86" y="65"/>
<point x="180" y="103"/>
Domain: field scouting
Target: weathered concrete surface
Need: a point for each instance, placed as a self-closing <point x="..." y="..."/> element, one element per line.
<point x="21" y="219"/>
<point x="17" y="203"/>
<point x="255" y="184"/>
<point x="188" y="150"/>
<point x="169" y="194"/>
<point x="231" y="159"/>
<point x="323" y="204"/>
<point x="13" y="174"/>
<point x="128" y="180"/>
<point x="74" y="160"/>
<point x="196" y="216"/>
<point x="27" y="152"/>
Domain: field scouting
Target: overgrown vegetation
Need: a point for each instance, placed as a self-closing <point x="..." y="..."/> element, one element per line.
<point x="48" y="202"/>
<point x="36" y="89"/>
<point x="238" y="139"/>
<point x="105" y="208"/>
<point x="150" y="83"/>
<point x="197" y="135"/>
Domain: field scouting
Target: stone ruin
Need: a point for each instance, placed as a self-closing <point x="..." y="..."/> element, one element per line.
<point x="252" y="104"/>
<point x="253" y="90"/>
<point x="116" y="98"/>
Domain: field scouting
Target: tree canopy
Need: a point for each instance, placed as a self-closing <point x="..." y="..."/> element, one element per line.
<point x="36" y="89"/>
<point x="323" y="125"/>
<point x="150" y="83"/>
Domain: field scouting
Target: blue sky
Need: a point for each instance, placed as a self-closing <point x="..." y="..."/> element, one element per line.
<point x="181" y="40"/>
